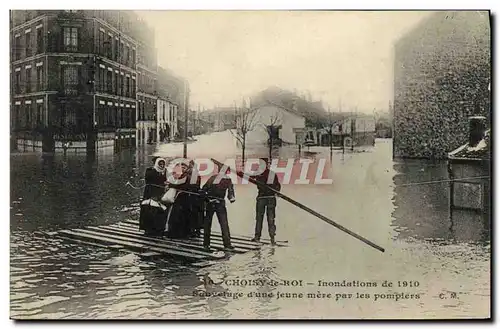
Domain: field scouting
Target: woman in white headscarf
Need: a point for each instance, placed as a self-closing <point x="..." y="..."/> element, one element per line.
<point x="152" y="211"/>
<point x="155" y="178"/>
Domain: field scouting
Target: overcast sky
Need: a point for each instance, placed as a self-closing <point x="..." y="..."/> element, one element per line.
<point x="227" y="55"/>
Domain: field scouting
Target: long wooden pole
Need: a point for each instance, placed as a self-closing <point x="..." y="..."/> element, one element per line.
<point x="303" y="207"/>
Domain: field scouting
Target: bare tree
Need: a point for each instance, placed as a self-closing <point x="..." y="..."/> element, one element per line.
<point x="245" y="121"/>
<point x="274" y="124"/>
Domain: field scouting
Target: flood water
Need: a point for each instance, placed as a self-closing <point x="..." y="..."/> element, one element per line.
<point x="442" y="257"/>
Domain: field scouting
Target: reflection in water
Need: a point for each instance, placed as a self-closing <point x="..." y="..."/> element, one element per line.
<point x="470" y="226"/>
<point x="72" y="190"/>
<point x="51" y="278"/>
<point x="264" y="265"/>
<point x="423" y="211"/>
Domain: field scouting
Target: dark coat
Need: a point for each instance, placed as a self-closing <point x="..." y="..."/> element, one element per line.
<point x="155" y="183"/>
<point x="275" y="184"/>
<point x="152" y="218"/>
<point x="219" y="189"/>
<point x="178" y="220"/>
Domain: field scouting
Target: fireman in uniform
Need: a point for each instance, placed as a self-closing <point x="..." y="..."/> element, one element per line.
<point x="266" y="203"/>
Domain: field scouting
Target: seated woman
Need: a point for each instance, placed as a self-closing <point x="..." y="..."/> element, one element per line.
<point x="153" y="212"/>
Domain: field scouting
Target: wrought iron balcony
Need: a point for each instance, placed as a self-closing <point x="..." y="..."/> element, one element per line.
<point x="70" y="48"/>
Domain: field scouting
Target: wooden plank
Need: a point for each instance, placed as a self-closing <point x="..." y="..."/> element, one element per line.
<point x="186" y="243"/>
<point x="130" y="245"/>
<point x="91" y="243"/>
<point x="150" y="254"/>
<point x="156" y="243"/>
<point x="219" y="234"/>
<point x="146" y="244"/>
<point x="191" y="243"/>
<point x="215" y="242"/>
<point x="196" y="241"/>
<point x="204" y="263"/>
<point x="216" y="237"/>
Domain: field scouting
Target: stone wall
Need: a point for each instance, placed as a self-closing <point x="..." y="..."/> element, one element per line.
<point x="441" y="77"/>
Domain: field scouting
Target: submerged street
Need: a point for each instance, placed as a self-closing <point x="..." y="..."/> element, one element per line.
<point x="371" y="195"/>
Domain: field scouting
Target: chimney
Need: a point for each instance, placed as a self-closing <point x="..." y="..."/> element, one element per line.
<point x="477" y="127"/>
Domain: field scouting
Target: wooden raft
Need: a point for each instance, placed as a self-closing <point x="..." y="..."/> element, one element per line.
<point x="127" y="236"/>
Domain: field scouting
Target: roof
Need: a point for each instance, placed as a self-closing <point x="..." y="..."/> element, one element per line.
<point x="279" y="106"/>
<point x="481" y="151"/>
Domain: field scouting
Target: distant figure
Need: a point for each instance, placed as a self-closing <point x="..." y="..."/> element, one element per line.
<point x="153" y="216"/>
<point x="150" y="136"/>
<point x="266" y="202"/>
<point x="216" y="189"/>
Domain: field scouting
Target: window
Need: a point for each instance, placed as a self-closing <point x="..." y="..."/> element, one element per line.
<point x="123" y="118"/>
<point x="121" y="51"/>
<point x="109" y="46"/>
<point x="17" y="117"/>
<point x="17" y="47"/>
<point x="39" y="114"/>
<point x="97" y="80"/>
<point x="117" y="84"/>
<point x="28" y="80"/>
<point x="116" y="49"/>
<point x="101" y="41"/>
<point x="107" y="116"/>
<point x="109" y="82"/>
<point x="68" y="118"/>
<point x="102" y="80"/>
<point x="39" y="78"/>
<point x="128" y="86"/>
<point x="18" y="82"/>
<point x="122" y="84"/>
<point x="70" y="77"/>
<point x="121" y="121"/>
<point x="39" y="40"/>
<point x="29" y="116"/>
<point x="27" y="43"/>
<point x="100" y="115"/>
<point x="133" y="89"/>
<point x="70" y="38"/>
<point x="127" y="55"/>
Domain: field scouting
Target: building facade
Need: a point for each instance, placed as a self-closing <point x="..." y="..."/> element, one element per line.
<point x="219" y="118"/>
<point x="73" y="78"/>
<point x="147" y="88"/>
<point x="441" y="77"/>
<point x="173" y="92"/>
<point x="357" y="128"/>
<point x="272" y="121"/>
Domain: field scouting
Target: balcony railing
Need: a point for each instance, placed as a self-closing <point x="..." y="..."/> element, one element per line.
<point x="70" y="48"/>
<point x="71" y="90"/>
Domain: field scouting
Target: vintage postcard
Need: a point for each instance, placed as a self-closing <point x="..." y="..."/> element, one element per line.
<point x="250" y="164"/>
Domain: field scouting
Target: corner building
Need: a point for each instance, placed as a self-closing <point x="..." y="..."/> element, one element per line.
<point x="74" y="78"/>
